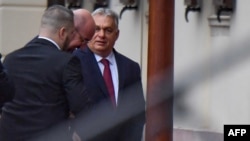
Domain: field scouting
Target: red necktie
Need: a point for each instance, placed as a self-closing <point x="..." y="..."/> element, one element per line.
<point x="108" y="80"/>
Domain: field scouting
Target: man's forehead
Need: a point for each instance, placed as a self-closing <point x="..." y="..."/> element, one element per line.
<point x="104" y="21"/>
<point x="103" y="18"/>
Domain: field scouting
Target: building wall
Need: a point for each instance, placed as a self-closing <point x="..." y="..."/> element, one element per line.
<point x="211" y="71"/>
<point x="19" y="22"/>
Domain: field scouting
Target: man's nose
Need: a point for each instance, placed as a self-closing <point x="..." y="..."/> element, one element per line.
<point x="101" y="33"/>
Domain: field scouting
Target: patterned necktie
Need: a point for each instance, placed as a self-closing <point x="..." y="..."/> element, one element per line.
<point x="108" y="80"/>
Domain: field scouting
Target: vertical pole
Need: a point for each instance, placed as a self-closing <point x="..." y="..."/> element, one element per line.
<point x="159" y="114"/>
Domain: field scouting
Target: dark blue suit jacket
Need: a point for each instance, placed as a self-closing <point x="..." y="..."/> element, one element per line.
<point x="102" y="122"/>
<point x="48" y="84"/>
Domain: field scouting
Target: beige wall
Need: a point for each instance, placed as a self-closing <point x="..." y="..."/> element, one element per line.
<point x="19" y="22"/>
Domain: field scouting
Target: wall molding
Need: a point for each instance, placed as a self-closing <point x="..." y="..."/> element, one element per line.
<point x="192" y="135"/>
<point x="219" y="28"/>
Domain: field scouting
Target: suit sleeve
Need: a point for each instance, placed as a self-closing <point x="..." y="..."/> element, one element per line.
<point x="74" y="86"/>
<point x="6" y="87"/>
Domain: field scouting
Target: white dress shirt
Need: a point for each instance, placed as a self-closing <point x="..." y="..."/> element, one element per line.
<point x="113" y="69"/>
<point x="41" y="37"/>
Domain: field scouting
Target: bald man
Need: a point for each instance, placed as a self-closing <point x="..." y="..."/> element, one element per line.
<point x="85" y="28"/>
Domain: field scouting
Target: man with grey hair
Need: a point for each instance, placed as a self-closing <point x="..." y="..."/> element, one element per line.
<point x="48" y="82"/>
<point x="113" y="82"/>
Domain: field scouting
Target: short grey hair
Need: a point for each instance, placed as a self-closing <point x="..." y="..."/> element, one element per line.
<point x="57" y="16"/>
<point x="107" y="12"/>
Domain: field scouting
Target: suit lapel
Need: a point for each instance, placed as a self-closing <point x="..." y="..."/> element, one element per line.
<point x="120" y="70"/>
<point x="121" y="74"/>
<point x="95" y="72"/>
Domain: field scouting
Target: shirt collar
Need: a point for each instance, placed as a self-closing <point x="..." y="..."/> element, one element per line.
<point x="110" y="57"/>
<point x="41" y="37"/>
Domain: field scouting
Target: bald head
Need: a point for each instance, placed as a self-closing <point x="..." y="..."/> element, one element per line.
<point x="82" y="18"/>
<point x="85" y="26"/>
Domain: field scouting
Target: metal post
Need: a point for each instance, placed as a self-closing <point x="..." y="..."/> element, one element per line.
<point x="159" y="114"/>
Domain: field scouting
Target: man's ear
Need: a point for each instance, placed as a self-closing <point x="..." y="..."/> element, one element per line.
<point x="117" y="34"/>
<point x="62" y="33"/>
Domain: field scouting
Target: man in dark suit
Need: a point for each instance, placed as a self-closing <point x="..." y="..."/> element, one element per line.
<point x="118" y="107"/>
<point x="48" y="82"/>
<point x="6" y="87"/>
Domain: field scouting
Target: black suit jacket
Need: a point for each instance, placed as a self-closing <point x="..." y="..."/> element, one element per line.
<point x="103" y="122"/>
<point x="6" y="87"/>
<point x="48" y="84"/>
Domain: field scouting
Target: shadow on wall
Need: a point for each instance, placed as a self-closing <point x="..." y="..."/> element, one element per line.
<point x="188" y="135"/>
